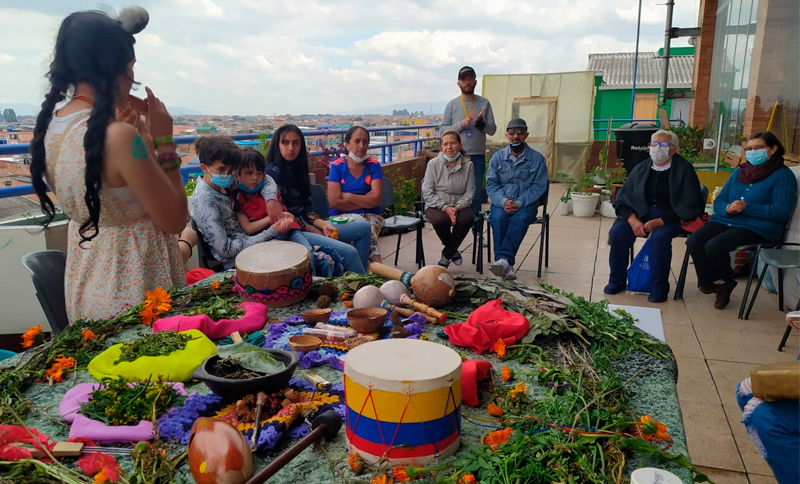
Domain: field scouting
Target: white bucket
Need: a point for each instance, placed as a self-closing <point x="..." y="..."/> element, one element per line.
<point x="607" y="210"/>
<point x="584" y="204"/>
<point x="651" y="475"/>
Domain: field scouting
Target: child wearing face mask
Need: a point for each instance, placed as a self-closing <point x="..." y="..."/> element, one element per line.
<point x="251" y="206"/>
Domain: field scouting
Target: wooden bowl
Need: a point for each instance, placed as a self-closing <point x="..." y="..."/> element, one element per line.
<point x="317" y="315"/>
<point x="367" y="320"/>
<point x="304" y="343"/>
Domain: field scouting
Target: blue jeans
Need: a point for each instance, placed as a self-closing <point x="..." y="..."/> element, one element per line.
<point x="349" y="254"/>
<point x="621" y="238"/>
<point x="479" y="163"/>
<point x="775" y="428"/>
<point x="358" y="233"/>
<point x="509" y="230"/>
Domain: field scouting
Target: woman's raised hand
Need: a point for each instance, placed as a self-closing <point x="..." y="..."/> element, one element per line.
<point x="159" y="121"/>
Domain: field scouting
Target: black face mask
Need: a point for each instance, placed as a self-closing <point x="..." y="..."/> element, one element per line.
<point x="517" y="147"/>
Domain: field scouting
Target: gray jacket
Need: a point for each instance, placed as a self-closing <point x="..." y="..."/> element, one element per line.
<point x="449" y="187"/>
<point x="475" y="143"/>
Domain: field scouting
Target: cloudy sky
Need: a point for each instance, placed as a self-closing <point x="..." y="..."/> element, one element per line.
<point x="310" y="56"/>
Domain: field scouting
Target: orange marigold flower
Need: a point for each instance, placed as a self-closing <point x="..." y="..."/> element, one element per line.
<point x="56" y="373"/>
<point x="494" y="410"/>
<point x="66" y="362"/>
<point x="507" y="374"/>
<point x="497" y="438"/>
<point x="651" y="429"/>
<point x="159" y="301"/>
<point x="32" y="336"/>
<point x="348" y="304"/>
<point x="148" y="316"/>
<point x="345" y="296"/>
<point x="467" y="478"/>
<point x="519" y="389"/>
<point x="356" y="463"/>
<point x="215" y="285"/>
<point x="88" y="334"/>
<point x="399" y="474"/>
<point x="101" y="477"/>
<point x="381" y="479"/>
<point x="499" y="347"/>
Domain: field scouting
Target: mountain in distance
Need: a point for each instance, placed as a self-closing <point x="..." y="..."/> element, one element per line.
<point x="25" y="109"/>
<point x="436" y="107"/>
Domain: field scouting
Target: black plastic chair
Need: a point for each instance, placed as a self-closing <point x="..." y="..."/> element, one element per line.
<point x="788" y="325"/>
<point x="477" y="236"/>
<point x="679" y="286"/>
<point x="47" y="272"/>
<point x="401" y="223"/>
<point x="207" y="260"/>
<point x="780" y="259"/>
<point x="319" y="200"/>
<point x="544" y="239"/>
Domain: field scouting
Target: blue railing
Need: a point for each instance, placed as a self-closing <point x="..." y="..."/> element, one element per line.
<point x="187" y="170"/>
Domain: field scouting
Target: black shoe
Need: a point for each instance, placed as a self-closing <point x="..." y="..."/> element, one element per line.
<point x="724" y="293"/>
<point x="656" y="298"/>
<point x="457" y="259"/>
<point x="707" y="289"/>
<point x="444" y="262"/>
<point x="614" y="288"/>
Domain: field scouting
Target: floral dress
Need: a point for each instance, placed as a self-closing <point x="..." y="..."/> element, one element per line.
<point x="128" y="256"/>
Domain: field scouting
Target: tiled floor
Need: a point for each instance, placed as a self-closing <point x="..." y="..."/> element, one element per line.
<point x="714" y="349"/>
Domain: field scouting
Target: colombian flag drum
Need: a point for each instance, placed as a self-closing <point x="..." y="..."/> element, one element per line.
<point x="403" y="401"/>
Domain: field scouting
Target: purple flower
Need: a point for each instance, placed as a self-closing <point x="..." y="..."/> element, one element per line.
<point x="416" y="318"/>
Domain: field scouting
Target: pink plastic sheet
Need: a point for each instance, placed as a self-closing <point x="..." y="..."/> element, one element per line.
<point x="255" y="317"/>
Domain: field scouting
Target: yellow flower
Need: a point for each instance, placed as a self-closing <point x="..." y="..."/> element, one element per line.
<point x="32" y="336"/>
<point x="88" y="334"/>
<point x="159" y="301"/>
<point x="519" y="389"/>
<point x="494" y="410"/>
<point x="499" y="347"/>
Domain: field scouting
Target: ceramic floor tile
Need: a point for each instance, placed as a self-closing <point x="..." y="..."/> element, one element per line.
<point x="709" y="438"/>
<point x="724" y="477"/>
<point x="694" y="381"/>
<point x="759" y="479"/>
<point x="745" y="353"/>
<point x="726" y="374"/>
<point x="753" y="462"/>
<point x="683" y="343"/>
<point x="735" y="337"/>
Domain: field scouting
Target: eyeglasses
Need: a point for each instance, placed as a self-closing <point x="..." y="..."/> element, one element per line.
<point x="512" y="132"/>
<point x="659" y="143"/>
<point x="753" y="148"/>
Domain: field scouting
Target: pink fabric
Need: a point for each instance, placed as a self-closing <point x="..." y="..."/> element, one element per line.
<point x="471" y="372"/>
<point x="255" y="317"/>
<point x="84" y="427"/>
<point x="486" y="325"/>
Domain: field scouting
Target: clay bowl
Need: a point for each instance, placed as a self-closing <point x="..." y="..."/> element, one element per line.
<point x="317" y="315"/>
<point x="367" y="320"/>
<point x="304" y="343"/>
<point x="232" y="390"/>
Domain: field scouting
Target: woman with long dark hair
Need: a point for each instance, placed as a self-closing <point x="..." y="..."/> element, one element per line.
<point x="115" y="176"/>
<point x="287" y="165"/>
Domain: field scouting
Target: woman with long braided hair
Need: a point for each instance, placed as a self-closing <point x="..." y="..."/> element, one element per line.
<point x="114" y="172"/>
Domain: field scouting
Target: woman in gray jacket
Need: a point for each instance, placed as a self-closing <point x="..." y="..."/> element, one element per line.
<point x="448" y="189"/>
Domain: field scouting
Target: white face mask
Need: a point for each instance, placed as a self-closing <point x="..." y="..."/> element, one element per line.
<point x="659" y="154"/>
<point x="357" y="159"/>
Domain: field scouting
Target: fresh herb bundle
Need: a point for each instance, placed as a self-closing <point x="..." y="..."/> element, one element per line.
<point x="218" y="308"/>
<point x="122" y="403"/>
<point x="157" y="344"/>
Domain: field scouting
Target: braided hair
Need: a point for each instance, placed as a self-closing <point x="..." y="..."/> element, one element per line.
<point x="93" y="48"/>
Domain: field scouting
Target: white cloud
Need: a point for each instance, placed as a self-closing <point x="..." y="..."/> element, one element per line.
<point x="6" y="58"/>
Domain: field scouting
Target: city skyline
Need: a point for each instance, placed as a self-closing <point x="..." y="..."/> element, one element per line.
<point x="249" y="57"/>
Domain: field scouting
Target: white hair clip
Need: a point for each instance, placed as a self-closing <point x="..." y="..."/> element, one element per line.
<point x="133" y="19"/>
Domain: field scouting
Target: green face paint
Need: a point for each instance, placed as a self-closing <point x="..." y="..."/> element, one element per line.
<point x="139" y="148"/>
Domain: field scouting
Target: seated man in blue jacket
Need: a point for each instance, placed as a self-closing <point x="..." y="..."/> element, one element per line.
<point x="517" y="177"/>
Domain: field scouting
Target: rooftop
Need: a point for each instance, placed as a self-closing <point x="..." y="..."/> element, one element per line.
<point x="617" y="70"/>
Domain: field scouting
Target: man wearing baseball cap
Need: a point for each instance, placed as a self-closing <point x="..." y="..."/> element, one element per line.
<point x="471" y="115"/>
<point x="516" y="179"/>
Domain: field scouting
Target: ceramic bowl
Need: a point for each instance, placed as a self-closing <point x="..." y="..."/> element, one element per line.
<point x="367" y="320"/>
<point x="317" y="315"/>
<point x="304" y="343"/>
<point x="232" y="390"/>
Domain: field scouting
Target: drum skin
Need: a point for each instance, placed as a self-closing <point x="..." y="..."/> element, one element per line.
<point x="275" y="273"/>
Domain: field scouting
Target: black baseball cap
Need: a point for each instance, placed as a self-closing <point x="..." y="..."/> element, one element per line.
<point x="465" y="71"/>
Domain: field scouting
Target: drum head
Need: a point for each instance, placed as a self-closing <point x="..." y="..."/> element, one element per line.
<point x="274" y="257"/>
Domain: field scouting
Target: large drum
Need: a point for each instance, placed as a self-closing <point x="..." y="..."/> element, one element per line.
<point x="274" y="273"/>
<point x="403" y="392"/>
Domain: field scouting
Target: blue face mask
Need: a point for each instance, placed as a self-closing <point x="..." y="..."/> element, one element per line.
<point x="254" y="190"/>
<point x="222" y="181"/>
<point x="757" y="157"/>
<point x="449" y="158"/>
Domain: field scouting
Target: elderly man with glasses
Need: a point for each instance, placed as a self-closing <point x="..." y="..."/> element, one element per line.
<point x="657" y="195"/>
<point x="517" y="177"/>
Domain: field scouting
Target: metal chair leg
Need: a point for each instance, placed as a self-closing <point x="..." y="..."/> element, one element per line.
<point x="682" y="278"/>
<point x="780" y="289"/>
<point x="755" y="291"/>
<point x="541" y="253"/>
<point x="397" y="251"/>
<point x="785" y="337"/>
<point x="474" y="246"/>
<point x="489" y="243"/>
<point x="749" y="282"/>
<point x="547" y="243"/>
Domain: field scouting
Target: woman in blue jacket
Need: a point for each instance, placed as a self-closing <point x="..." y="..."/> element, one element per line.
<point x="753" y="206"/>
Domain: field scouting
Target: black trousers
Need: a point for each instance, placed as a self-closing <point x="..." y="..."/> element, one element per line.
<point x="450" y="235"/>
<point x="710" y="248"/>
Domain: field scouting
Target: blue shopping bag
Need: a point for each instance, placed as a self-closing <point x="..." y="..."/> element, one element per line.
<point x="640" y="273"/>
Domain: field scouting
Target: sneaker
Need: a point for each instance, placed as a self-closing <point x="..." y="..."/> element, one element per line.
<point x="511" y="274"/>
<point x="614" y="288"/>
<point x="707" y="289"/>
<point x="500" y="268"/>
<point x="457" y="259"/>
<point x="724" y="293"/>
<point x="444" y="262"/>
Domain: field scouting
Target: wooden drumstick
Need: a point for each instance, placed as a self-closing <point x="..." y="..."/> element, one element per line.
<point x="391" y="273"/>
<point x="423" y="308"/>
<point x="406" y="312"/>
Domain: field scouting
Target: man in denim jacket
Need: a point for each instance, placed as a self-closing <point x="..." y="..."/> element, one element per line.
<point x="516" y="179"/>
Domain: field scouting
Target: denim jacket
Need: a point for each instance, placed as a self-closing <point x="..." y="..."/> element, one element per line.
<point x="523" y="181"/>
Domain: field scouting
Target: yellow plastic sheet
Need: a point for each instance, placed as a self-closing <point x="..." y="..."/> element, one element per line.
<point x="177" y="366"/>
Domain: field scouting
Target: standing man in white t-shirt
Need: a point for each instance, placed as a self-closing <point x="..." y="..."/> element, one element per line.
<point x="471" y="115"/>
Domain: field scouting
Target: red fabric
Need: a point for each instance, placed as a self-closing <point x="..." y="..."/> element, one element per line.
<point x="197" y="275"/>
<point x="12" y="434"/>
<point x="486" y="325"/>
<point x="693" y="226"/>
<point x="255" y="207"/>
<point x="471" y="372"/>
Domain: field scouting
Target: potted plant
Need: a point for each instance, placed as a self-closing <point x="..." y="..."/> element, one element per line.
<point x="565" y="207"/>
<point x="584" y="201"/>
<point x="616" y="179"/>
